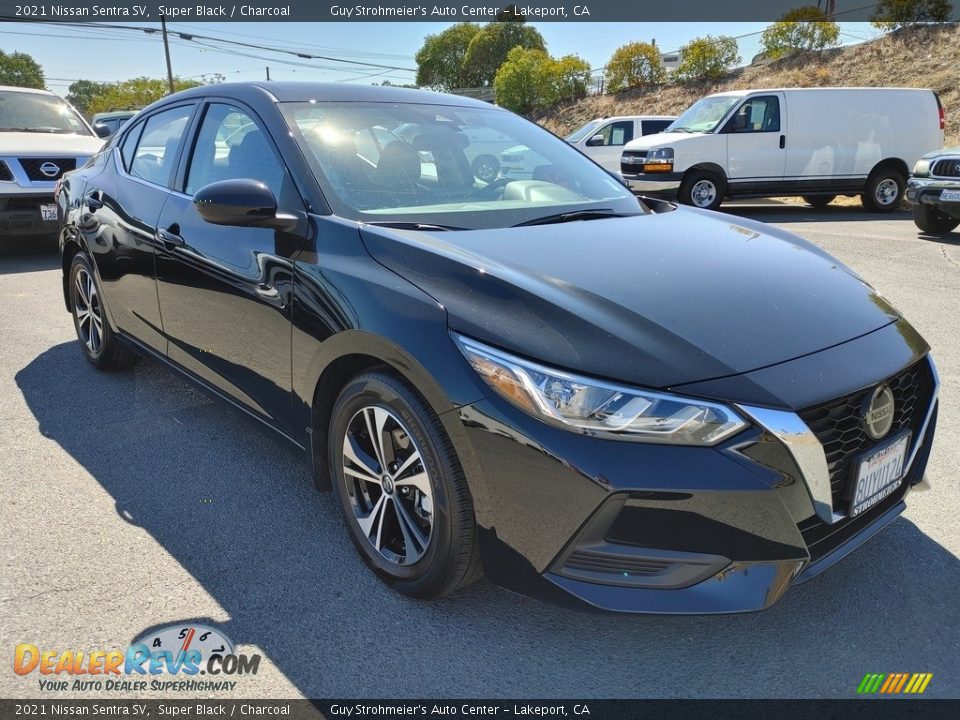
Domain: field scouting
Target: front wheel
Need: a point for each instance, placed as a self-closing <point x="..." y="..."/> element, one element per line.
<point x="401" y="488"/>
<point x="884" y="191"/>
<point x="702" y="189"/>
<point x="933" y="221"/>
<point x="97" y="341"/>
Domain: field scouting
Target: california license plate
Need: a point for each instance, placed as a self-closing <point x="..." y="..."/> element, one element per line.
<point x="950" y="196"/>
<point x="880" y="473"/>
<point x="48" y="212"/>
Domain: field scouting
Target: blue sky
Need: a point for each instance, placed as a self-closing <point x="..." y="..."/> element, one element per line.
<point x="67" y="54"/>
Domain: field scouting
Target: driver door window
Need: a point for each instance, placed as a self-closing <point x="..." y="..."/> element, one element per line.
<point x="617" y="134"/>
<point x="759" y="114"/>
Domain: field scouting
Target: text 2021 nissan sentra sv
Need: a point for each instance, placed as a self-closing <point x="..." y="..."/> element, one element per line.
<point x="589" y="398"/>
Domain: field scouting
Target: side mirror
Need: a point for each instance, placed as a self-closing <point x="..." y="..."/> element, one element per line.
<point x="241" y="203"/>
<point x="102" y="130"/>
<point x="595" y="141"/>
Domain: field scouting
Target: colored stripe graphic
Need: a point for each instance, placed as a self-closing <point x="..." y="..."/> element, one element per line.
<point x="894" y="683"/>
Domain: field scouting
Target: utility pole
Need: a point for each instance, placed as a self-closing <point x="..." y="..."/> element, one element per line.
<point x="268" y="73"/>
<point x="166" y="50"/>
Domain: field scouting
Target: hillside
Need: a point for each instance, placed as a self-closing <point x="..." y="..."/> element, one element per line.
<point x="917" y="57"/>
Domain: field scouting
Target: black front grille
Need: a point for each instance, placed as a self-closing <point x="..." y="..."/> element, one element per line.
<point x="32" y="166"/>
<point x="946" y="168"/>
<point x="617" y="564"/>
<point x="632" y="162"/>
<point x="24" y="203"/>
<point x="838" y="424"/>
<point x="5" y="174"/>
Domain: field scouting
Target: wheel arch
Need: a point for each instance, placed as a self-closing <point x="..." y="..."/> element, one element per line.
<point x="891" y="163"/>
<point x="707" y="167"/>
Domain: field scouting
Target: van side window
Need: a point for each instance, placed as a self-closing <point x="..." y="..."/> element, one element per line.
<point x="758" y="114"/>
<point x="618" y="133"/>
<point x="652" y="127"/>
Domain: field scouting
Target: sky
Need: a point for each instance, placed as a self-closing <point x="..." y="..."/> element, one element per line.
<point x="68" y="53"/>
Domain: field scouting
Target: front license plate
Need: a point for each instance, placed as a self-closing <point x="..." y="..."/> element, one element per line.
<point x="48" y="212"/>
<point x="950" y="196"/>
<point x="879" y="474"/>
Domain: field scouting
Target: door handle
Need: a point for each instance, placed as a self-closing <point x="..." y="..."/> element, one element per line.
<point x="170" y="237"/>
<point x="783" y="141"/>
<point x="92" y="201"/>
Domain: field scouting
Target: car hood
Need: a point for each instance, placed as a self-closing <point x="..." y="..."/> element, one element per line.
<point x="942" y="152"/>
<point x="662" y="139"/>
<point x="26" y="144"/>
<point x="657" y="300"/>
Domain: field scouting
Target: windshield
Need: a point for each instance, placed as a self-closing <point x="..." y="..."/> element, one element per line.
<point x="704" y="115"/>
<point x="582" y="132"/>
<point x="33" y="112"/>
<point x="416" y="164"/>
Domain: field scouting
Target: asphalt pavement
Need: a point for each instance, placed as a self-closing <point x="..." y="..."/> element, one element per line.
<point x="131" y="500"/>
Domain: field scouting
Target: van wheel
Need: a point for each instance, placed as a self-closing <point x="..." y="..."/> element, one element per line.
<point x="819" y="201"/>
<point x="884" y="191"/>
<point x="486" y="168"/>
<point x="702" y="189"/>
<point x="933" y="221"/>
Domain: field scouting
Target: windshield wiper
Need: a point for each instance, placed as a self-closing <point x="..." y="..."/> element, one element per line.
<point x="572" y="216"/>
<point x="407" y="225"/>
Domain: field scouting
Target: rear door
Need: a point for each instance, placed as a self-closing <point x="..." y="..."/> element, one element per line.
<point x="121" y="207"/>
<point x="756" y="142"/>
<point x="225" y="292"/>
<point x="615" y="135"/>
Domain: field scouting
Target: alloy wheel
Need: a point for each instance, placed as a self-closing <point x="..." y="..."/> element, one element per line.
<point x="88" y="312"/>
<point x="388" y="486"/>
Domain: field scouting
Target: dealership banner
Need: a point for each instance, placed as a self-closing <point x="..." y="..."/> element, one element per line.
<point x="414" y="11"/>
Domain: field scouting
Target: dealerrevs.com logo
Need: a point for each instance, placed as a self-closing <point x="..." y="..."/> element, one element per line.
<point x="184" y="651"/>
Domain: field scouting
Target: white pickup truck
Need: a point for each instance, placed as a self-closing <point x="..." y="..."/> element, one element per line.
<point x="41" y="137"/>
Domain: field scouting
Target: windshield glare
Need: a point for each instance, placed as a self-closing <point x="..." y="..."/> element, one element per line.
<point x="33" y="112"/>
<point x="435" y="164"/>
<point x="577" y="135"/>
<point x="704" y="115"/>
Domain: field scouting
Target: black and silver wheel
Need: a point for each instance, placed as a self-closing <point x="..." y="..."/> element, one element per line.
<point x="97" y="341"/>
<point x="819" y="201"/>
<point x="702" y="189"/>
<point x="401" y="488"/>
<point x="884" y="191"/>
<point x="486" y="168"/>
<point x="932" y="220"/>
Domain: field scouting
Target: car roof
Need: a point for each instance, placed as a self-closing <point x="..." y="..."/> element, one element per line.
<point x="285" y="91"/>
<point x="37" y="91"/>
<point x="635" y="117"/>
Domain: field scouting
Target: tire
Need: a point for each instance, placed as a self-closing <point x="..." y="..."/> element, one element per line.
<point x="97" y="341"/>
<point x="414" y="524"/>
<point x="933" y="221"/>
<point x="486" y="168"/>
<point x="702" y="189"/>
<point x="884" y="191"/>
<point x="819" y="201"/>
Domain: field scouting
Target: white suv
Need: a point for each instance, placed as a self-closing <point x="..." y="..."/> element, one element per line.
<point x="41" y="137"/>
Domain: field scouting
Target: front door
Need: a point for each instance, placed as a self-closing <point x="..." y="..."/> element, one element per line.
<point x="756" y="137"/>
<point x="225" y="292"/>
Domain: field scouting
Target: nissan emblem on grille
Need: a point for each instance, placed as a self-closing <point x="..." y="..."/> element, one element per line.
<point x="878" y="417"/>
<point x="50" y="169"/>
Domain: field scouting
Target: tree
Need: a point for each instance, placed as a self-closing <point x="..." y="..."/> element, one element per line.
<point x="708" y="58"/>
<point x="634" y="65"/>
<point x="894" y="14"/>
<point x="135" y="93"/>
<point x="804" y="28"/>
<point x="531" y="80"/>
<point x="20" y="70"/>
<point x="489" y="48"/>
<point x="440" y="60"/>
<point x="81" y="93"/>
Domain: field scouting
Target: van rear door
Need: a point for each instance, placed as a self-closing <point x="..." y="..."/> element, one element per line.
<point x="756" y="139"/>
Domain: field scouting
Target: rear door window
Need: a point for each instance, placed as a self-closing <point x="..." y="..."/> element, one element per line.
<point x="156" y="151"/>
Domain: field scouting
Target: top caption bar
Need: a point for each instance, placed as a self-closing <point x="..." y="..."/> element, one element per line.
<point x="390" y="11"/>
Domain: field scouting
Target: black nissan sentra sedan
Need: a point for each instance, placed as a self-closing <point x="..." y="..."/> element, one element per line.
<point x="589" y="398"/>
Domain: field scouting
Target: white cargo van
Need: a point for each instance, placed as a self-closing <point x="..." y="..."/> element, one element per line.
<point x="602" y="140"/>
<point x="814" y="142"/>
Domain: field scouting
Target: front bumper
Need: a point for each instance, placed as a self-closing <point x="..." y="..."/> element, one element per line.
<point x="20" y="214"/>
<point x="638" y="528"/>
<point x="665" y="185"/>
<point x="927" y="191"/>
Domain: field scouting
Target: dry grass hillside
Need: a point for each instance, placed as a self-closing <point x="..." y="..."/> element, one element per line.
<point x="917" y="57"/>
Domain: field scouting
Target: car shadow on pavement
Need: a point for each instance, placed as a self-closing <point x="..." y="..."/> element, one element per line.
<point x="13" y="261"/>
<point x="236" y="508"/>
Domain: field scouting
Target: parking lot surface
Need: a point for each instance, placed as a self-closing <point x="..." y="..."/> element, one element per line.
<point x="132" y="500"/>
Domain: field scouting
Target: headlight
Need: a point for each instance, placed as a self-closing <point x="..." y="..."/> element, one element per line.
<point x="922" y="168"/>
<point x="594" y="407"/>
<point x="660" y="154"/>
